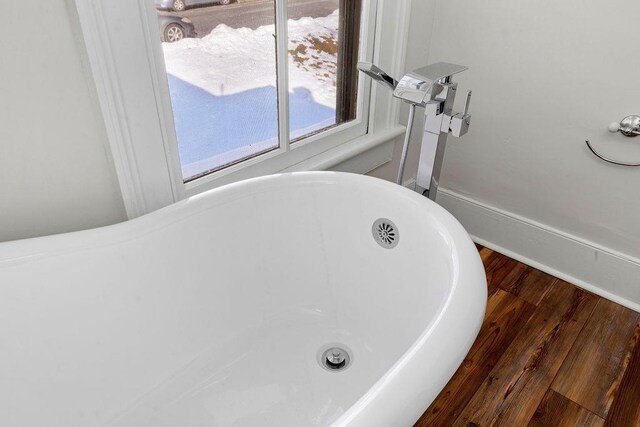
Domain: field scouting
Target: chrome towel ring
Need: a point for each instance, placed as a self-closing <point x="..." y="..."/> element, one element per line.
<point x="630" y="127"/>
<point x="615" y="162"/>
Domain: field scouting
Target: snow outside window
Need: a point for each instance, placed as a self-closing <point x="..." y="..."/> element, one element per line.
<point x="223" y="75"/>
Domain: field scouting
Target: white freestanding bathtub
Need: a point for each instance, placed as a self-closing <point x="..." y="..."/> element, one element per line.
<point x="216" y="311"/>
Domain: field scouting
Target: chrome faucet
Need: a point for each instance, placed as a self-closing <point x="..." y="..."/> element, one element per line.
<point x="430" y="87"/>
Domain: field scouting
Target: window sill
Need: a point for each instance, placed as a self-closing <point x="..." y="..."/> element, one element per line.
<point x="372" y="150"/>
<point x="359" y="155"/>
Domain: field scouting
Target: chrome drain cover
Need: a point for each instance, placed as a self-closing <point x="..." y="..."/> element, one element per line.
<point x="335" y="358"/>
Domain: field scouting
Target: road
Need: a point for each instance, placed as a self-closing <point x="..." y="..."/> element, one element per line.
<point x="251" y="15"/>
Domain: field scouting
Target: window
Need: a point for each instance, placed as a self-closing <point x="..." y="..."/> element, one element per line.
<point x="122" y="39"/>
<point x="221" y="61"/>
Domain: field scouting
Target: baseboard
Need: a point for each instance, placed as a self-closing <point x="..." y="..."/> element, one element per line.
<point x="597" y="269"/>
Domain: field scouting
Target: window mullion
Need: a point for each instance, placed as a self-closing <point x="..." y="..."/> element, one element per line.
<point x="282" y="69"/>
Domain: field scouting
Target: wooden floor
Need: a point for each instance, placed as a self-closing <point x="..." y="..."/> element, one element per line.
<point x="548" y="354"/>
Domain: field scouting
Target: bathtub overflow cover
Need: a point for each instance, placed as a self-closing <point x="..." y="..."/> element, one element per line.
<point x="385" y="233"/>
<point x="335" y="358"/>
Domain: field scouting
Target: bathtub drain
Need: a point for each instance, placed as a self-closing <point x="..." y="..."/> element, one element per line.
<point x="335" y="359"/>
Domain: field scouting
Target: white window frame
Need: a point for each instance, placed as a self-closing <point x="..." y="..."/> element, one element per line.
<point x="128" y="70"/>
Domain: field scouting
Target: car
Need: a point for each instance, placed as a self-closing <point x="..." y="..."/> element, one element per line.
<point x="175" y="28"/>
<point x="180" y="5"/>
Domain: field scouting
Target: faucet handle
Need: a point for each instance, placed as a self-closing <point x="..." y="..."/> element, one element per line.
<point x="460" y="122"/>
<point x="466" y="105"/>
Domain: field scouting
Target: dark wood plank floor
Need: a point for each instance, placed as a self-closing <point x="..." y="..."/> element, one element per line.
<point x="548" y="354"/>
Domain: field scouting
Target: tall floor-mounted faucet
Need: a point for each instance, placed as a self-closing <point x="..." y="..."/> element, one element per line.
<point x="430" y="87"/>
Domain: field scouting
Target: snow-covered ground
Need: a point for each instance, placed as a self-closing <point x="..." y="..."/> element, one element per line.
<point x="223" y="89"/>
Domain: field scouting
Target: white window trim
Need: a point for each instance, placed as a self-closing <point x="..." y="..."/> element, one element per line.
<point x="134" y="97"/>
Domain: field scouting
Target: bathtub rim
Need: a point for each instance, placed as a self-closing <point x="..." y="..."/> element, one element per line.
<point x="32" y="248"/>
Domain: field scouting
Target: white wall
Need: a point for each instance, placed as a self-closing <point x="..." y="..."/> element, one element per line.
<point x="56" y="173"/>
<point x="546" y="75"/>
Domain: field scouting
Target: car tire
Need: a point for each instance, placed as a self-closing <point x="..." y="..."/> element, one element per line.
<point x="178" y="5"/>
<point x="173" y="33"/>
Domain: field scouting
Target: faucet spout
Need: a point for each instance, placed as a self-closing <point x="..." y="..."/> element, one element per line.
<point x="377" y="74"/>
